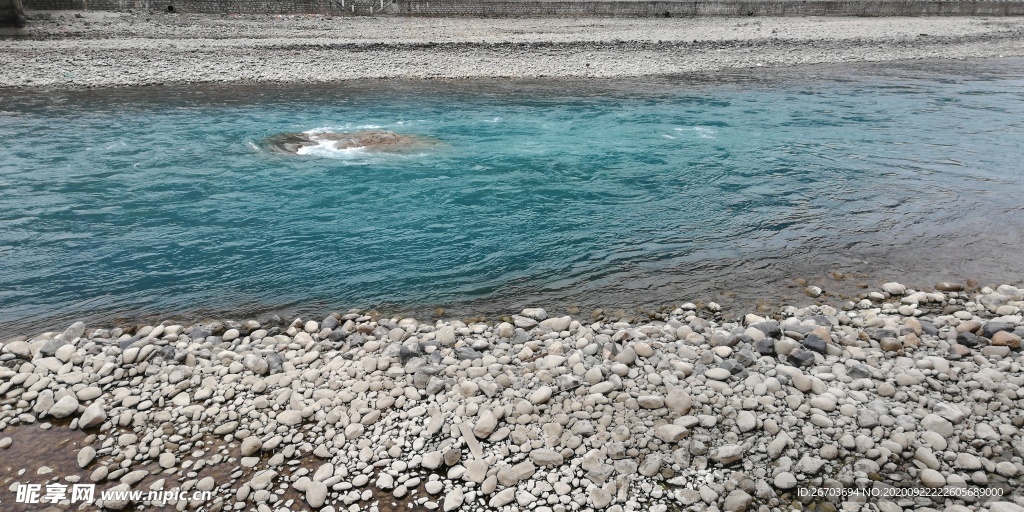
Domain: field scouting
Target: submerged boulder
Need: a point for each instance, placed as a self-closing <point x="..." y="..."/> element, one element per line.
<point x="371" y="140"/>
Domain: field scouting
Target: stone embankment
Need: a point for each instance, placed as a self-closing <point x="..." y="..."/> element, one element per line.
<point x="901" y="394"/>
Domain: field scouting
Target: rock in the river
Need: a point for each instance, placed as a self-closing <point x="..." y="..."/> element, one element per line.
<point x="64" y="407"/>
<point x="93" y="416"/>
<point x="369" y="140"/>
<point x="453" y="499"/>
<point x="537" y="314"/>
<point x="118" y="491"/>
<point x="85" y="456"/>
<point x="894" y="288"/>
<point x="250" y="446"/>
<point x="316" y="494"/>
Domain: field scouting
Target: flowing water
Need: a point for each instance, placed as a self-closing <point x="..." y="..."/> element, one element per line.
<point x="152" y="202"/>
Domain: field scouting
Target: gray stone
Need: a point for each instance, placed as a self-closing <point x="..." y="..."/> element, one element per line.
<point x="263" y="479"/>
<point x="678" y="401"/>
<point x="651" y="402"/>
<point x="765" y="347"/>
<point x="556" y="324"/>
<point x="816" y="343"/>
<point x="746" y="421"/>
<point x="205" y="484"/>
<point x="600" y="498"/>
<point x="19" y="349"/>
<point x="452" y="456"/>
<point x="1004" y="506"/>
<point x="256" y="364"/>
<point x="85" y="456"/>
<point x="385" y="482"/>
<point x="476" y="470"/>
<point x="810" y="465"/>
<point x="453" y="499"/>
<point x="938" y="424"/>
<point x="894" y="288"/>
<point x="485" y="424"/>
<point x="93" y="416"/>
<point x="289" y="418"/>
<point x="785" y="480"/>
<point x="167" y="460"/>
<point x="75" y="330"/>
<point x="119" y="504"/>
<point x="512" y="475"/>
<point x="770" y="329"/>
<point x="445" y="336"/>
<point x="671" y="433"/>
<point x="49" y="349"/>
<point x="503" y="498"/>
<point x="432" y="460"/>
<point x="546" y="457"/>
<point x="651" y="465"/>
<point x="316" y="494"/>
<point x="801" y="358"/>
<point x="717" y="374"/>
<point x="737" y="501"/>
<point x="932" y="478"/>
<point x="534" y="313"/>
<point x="64" y="407"/>
<point x="250" y="446"/>
<point x="541" y="395"/>
<point x="727" y="454"/>
<point x="505" y="330"/>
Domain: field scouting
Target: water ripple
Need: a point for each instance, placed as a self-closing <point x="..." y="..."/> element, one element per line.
<point x="167" y="205"/>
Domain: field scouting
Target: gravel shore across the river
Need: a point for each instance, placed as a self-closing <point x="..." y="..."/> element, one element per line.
<point x="903" y="400"/>
<point x="123" y="49"/>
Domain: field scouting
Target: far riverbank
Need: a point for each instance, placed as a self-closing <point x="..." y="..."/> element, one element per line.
<point x="127" y="49"/>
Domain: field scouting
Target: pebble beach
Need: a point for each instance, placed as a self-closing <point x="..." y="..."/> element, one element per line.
<point x="903" y="399"/>
<point x="99" y="49"/>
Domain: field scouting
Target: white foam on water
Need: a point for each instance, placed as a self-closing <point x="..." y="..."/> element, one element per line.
<point x="667" y="136"/>
<point x="327" y="148"/>
<point x="254" y="146"/>
<point x="702" y="131"/>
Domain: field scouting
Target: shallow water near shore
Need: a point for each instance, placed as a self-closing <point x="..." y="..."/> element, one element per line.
<point x="164" y="201"/>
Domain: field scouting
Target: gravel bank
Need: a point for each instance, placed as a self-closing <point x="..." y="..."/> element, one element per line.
<point x="916" y="397"/>
<point x="122" y="49"/>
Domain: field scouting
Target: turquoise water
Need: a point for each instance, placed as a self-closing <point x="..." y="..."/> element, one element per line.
<point x="164" y="201"/>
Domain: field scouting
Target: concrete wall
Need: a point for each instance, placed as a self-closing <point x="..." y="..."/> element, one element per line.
<point x="522" y="8"/>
